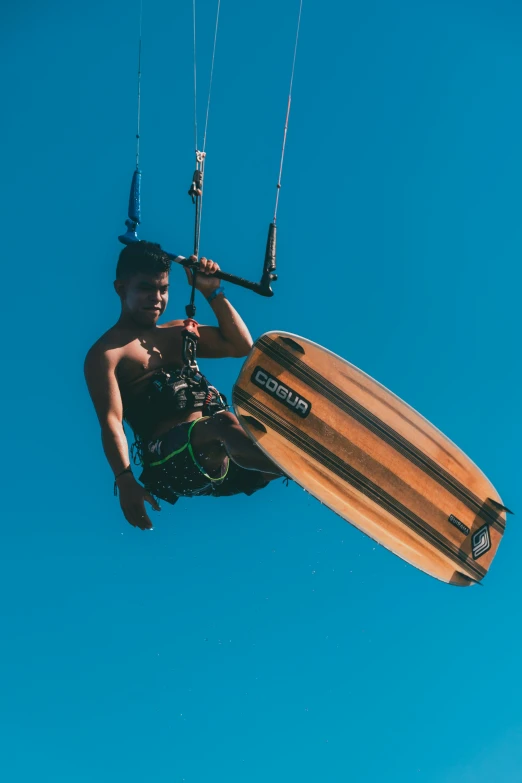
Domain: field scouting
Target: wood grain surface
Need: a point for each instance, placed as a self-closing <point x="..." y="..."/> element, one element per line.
<point x="369" y="457"/>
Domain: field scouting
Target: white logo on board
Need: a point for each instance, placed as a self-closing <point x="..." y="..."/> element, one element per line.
<point x="280" y="391"/>
<point x="480" y="542"/>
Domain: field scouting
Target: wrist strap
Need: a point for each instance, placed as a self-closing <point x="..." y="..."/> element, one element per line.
<point x="126" y="470"/>
<point x="215" y="293"/>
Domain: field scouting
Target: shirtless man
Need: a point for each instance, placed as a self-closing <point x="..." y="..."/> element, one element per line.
<point x="129" y="376"/>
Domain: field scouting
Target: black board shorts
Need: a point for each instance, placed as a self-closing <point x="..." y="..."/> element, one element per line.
<point x="171" y="470"/>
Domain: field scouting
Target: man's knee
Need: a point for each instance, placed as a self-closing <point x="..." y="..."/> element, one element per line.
<point x="217" y="429"/>
<point x="226" y="420"/>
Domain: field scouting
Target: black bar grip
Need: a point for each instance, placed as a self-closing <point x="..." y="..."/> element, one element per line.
<point x="263" y="288"/>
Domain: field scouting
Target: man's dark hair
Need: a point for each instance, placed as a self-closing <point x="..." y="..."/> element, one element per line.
<point x="145" y="258"/>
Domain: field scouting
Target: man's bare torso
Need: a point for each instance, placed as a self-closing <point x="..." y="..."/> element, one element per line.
<point x="138" y="355"/>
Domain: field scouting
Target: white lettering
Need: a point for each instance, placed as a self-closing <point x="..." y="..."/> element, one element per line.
<point x="272" y="386"/>
<point x="261" y="377"/>
<point x="290" y="401"/>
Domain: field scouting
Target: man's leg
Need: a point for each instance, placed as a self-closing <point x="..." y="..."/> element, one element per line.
<point x="222" y="434"/>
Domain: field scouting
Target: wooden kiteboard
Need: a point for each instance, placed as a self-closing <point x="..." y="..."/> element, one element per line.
<point x="369" y="457"/>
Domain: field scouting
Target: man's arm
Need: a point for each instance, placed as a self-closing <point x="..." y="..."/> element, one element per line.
<point x="230" y="338"/>
<point x="100" y="374"/>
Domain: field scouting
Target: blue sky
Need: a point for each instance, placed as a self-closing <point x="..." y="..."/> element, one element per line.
<point x="256" y="639"/>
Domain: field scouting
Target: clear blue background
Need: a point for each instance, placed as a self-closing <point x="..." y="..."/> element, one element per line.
<point x="259" y="639"/>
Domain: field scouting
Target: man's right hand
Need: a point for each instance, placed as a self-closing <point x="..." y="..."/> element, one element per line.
<point x="132" y="501"/>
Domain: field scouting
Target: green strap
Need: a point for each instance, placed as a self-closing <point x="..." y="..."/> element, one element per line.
<point x="178" y="451"/>
<point x="192" y="455"/>
<point x="194" y="460"/>
<point x="173" y="454"/>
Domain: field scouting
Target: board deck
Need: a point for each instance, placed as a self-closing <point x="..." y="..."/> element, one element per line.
<point x="369" y="457"/>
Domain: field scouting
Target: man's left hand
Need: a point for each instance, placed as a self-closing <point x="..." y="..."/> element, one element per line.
<point x="204" y="280"/>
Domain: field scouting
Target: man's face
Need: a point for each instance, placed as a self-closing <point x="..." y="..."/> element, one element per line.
<point x="145" y="298"/>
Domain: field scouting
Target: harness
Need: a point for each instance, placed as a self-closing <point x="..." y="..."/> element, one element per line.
<point x="187" y="388"/>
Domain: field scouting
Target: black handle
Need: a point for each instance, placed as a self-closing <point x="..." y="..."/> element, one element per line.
<point x="263" y="288"/>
